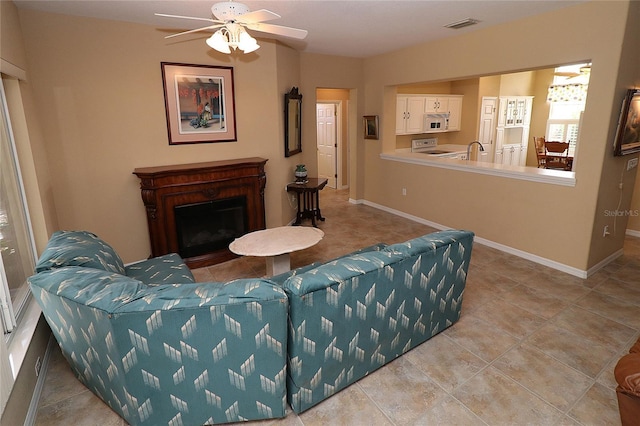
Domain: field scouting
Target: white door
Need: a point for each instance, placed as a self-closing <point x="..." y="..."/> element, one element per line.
<point x="326" y="136"/>
<point x="488" y="124"/>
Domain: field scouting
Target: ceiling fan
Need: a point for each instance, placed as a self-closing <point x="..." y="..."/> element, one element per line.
<point x="232" y="18"/>
<point x="582" y="70"/>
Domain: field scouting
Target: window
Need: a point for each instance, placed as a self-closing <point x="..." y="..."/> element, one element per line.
<point x="16" y="241"/>
<point x="567" y="97"/>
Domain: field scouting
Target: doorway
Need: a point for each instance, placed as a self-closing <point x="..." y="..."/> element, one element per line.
<point x="486" y="134"/>
<point x="327" y="142"/>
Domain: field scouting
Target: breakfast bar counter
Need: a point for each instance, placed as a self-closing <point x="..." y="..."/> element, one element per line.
<point x="533" y="174"/>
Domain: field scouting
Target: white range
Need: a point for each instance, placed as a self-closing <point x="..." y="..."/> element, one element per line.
<point x="429" y="146"/>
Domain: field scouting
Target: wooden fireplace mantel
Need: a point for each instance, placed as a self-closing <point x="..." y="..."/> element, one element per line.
<point x="165" y="187"/>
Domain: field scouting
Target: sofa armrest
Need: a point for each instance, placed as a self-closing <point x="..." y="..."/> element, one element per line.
<point x="627" y="373"/>
<point x="160" y="352"/>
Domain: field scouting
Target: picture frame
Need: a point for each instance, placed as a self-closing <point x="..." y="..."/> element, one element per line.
<point x="199" y="103"/>
<point x="627" y="139"/>
<point x="371" y="127"/>
<point x="292" y="122"/>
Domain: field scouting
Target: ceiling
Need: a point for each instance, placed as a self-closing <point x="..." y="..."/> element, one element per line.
<point x="357" y="28"/>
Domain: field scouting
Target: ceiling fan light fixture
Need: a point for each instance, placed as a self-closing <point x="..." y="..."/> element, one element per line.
<point x="218" y="41"/>
<point x="246" y="43"/>
<point x="231" y="18"/>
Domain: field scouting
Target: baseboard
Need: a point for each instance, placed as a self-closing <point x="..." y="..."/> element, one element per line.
<point x="32" y="412"/>
<point x="580" y="273"/>
<point x="633" y="233"/>
<point x="604" y="262"/>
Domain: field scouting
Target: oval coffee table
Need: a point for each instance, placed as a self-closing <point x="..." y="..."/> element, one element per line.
<point x="275" y="244"/>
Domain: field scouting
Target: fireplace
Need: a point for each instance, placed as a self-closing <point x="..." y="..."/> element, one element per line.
<point x="196" y="210"/>
<point x="210" y="226"/>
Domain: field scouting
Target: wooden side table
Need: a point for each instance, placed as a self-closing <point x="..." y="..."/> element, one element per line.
<point x="308" y="199"/>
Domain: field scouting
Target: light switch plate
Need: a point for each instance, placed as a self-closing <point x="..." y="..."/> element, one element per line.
<point x="632" y="163"/>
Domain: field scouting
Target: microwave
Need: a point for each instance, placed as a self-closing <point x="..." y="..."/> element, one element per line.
<point x="436" y="123"/>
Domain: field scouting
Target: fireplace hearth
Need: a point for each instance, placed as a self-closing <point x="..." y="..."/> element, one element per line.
<point x="196" y="210"/>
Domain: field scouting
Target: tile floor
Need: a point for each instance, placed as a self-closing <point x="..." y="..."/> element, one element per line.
<point x="533" y="345"/>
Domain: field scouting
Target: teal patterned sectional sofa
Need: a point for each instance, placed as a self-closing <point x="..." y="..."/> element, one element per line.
<point x="157" y="347"/>
<point x="161" y="349"/>
<point x="350" y="316"/>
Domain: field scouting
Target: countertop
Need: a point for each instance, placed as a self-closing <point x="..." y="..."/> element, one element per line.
<point x="557" y="177"/>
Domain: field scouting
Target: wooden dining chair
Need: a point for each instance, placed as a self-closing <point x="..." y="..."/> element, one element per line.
<point x="557" y="155"/>
<point x="538" y="144"/>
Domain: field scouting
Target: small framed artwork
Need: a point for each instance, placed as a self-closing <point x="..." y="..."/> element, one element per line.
<point x="199" y="103"/>
<point x="628" y="134"/>
<point x="371" y="127"/>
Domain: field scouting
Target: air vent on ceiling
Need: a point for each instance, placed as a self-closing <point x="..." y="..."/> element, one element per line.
<point x="461" y="24"/>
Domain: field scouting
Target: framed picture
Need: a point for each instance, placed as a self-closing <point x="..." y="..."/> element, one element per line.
<point x="199" y="103"/>
<point x="628" y="134"/>
<point x="371" y="127"/>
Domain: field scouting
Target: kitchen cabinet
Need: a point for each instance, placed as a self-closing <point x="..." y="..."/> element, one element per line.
<point x="436" y="104"/>
<point x="442" y="104"/>
<point x="455" y="113"/>
<point x="410" y="111"/>
<point x="514" y="111"/>
<point x="510" y="155"/>
<point x="409" y="114"/>
<point x="512" y="133"/>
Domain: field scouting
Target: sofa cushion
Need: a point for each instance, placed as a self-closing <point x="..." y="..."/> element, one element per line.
<point x="92" y="287"/>
<point x="79" y="248"/>
<point x="167" y="269"/>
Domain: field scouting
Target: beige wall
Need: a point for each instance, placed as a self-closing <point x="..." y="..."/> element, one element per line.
<point x="614" y="172"/>
<point x="511" y="212"/>
<point x="30" y="149"/>
<point x="27" y="133"/>
<point x="82" y="90"/>
<point x="323" y="71"/>
<point x="632" y="75"/>
<point x="98" y="85"/>
<point x="11" y="44"/>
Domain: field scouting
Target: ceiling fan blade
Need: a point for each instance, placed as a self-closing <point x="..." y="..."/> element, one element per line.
<point x="278" y="30"/>
<point x="189" y="17"/>
<point x="258" y="16"/>
<point x="210" y="27"/>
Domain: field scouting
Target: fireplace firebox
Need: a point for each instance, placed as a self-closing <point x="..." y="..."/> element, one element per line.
<point x="210" y="226"/>
<point x="196" y="210"/>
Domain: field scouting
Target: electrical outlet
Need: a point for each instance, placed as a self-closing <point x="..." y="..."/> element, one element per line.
<point x="404" y="191"/>
<point x="632" y="163"/>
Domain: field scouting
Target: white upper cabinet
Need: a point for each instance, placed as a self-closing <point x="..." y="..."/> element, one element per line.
<point x="455" y="112"/>
<point x="409" y="114"/>
<point x="515" y="111"/>
<point x="410" y="111"/>
<point x="437" y="104"/>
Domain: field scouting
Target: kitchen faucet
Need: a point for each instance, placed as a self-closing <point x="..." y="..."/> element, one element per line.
<point x="469" y="149"/>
